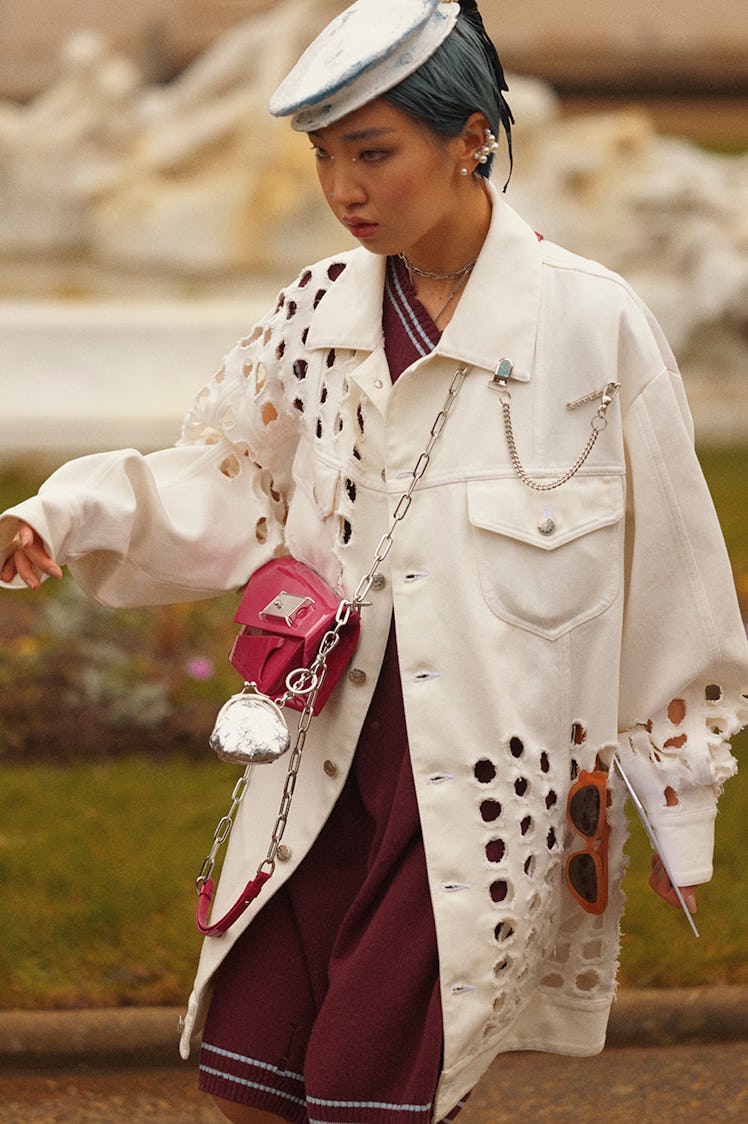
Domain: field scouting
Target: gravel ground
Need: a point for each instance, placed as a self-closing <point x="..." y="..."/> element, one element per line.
<point x="622" y="1086"/>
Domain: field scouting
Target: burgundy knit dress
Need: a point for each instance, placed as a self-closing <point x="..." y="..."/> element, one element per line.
<point x="327" y="1009"/>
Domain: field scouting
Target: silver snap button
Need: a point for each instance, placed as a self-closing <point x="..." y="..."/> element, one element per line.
<point x="283" y="854"/>
<point x="357" y="676"/>
<point x="331" y="769"/>
<point x="379" y="583"/>
<point x="378" y="384"/>
<point x="547" y="526"/>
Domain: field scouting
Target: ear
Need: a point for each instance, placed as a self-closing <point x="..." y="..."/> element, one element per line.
<point x="472" y="138"/>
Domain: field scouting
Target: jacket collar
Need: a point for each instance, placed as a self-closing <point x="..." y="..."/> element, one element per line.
<point x="496" y="318"/>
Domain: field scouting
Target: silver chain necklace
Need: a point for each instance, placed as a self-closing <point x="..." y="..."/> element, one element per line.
<point x="456" y="274"/>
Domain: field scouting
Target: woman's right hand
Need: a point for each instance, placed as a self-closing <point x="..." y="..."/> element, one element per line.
<point x="28" y="559"/>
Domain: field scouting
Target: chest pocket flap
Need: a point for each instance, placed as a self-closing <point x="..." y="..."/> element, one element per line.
<point x="548" y="560"/>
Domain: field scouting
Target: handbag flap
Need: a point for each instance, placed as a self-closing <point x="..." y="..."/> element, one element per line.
<point x="287" y="598"/>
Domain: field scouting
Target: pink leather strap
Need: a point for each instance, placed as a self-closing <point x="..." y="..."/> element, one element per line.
<point x="205" y="897"/>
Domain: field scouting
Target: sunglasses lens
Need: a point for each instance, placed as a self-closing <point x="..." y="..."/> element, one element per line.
<point x="584" y="810"/>
<point x="582" y="873"/>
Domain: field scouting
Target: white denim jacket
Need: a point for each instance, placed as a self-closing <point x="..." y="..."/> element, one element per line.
<point x="536" y="629"/>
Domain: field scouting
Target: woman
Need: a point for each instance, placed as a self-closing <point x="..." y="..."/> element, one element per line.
<point x="558" y="591"/>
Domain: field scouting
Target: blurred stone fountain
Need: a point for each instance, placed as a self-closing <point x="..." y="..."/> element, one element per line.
<point x="171" y="213"/>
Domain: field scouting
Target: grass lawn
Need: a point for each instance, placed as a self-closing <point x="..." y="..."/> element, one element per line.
<point x="98" y="855"/>
<point x="98" y="861"/>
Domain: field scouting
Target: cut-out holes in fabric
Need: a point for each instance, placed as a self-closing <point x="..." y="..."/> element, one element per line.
<point x="229" y="418"/>
<point x="516" y="747"/>
<point x="318" y="297"/>
<point x="269" y="414"/>
<point x="305" y="279"/>
<point x="230" y="467"/>
<point x="495" y="850"/>
<point x="529" y="866"/>
<point x="298" y="405"/>
<point x="291" y="310"/>
<point x="304" y="335"/>
<point x="300" y="368"/>
<point x="587" y="981"/>
<point x="319" y="429"/>
<point x="346" y="531"/>
<point x="551" y="800"/>
<point x="550" y="839"/>
<point x="503" y="931"/>
<point x="351" y="491"/>
<point x="676" y="711"/>
<point x="280" y="350"/>
<point x="335" y="270"/>
<point x="490" y="810"/>
<point x="323" y="396"/>
<point x="525" y="825"/>
<point x="261" y="530"/>
<point x="521" y="786"/>
<point x="545" y="765"/>
<point x="360" y="417"/>
<point x="499" y="890"/>
<point x="485" y="771"/>
<point x="261" y="378"/>
<point x="578" y="734"/>
<point x="713" y="693"/>
<point x="281" y="302"/>
<point x="330" y="361"/>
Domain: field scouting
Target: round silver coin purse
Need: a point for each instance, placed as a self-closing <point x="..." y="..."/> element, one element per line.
<point x="250" y="730"/>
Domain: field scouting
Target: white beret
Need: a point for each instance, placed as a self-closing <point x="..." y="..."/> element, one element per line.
<point x="365" y="51"/>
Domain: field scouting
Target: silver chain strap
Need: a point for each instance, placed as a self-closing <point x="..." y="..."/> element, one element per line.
<point x="306" y="682"/>
<point x="598" y="424"/>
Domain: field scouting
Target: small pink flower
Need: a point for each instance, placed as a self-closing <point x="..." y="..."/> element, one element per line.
<point x="200" y="668"/>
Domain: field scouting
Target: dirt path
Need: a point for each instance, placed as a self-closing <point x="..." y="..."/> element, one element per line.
<point x="622" y="1086"/>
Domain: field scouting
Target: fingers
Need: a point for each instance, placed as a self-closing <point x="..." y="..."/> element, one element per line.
<point x="28" y="559"/>
<point x="661" y="885"/>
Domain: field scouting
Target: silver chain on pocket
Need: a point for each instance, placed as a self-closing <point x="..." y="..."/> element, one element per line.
<point x="500" y="383"/>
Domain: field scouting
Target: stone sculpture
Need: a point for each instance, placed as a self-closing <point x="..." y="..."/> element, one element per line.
<point x="194" y="180"/>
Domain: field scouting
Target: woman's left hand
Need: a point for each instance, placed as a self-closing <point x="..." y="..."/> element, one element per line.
<point x="661" y="885"/>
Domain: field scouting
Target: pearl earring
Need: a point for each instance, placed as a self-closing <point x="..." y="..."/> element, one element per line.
<point x="463" y="171"/>
<point x="488" y="149"/>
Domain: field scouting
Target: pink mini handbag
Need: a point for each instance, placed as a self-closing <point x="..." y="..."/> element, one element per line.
<point x="285" y="612"/>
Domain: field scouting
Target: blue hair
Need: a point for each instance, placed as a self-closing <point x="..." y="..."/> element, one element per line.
<point x="463" y="76"/>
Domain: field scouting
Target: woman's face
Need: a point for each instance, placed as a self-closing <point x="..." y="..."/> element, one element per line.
<point x="391" y="182"/>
